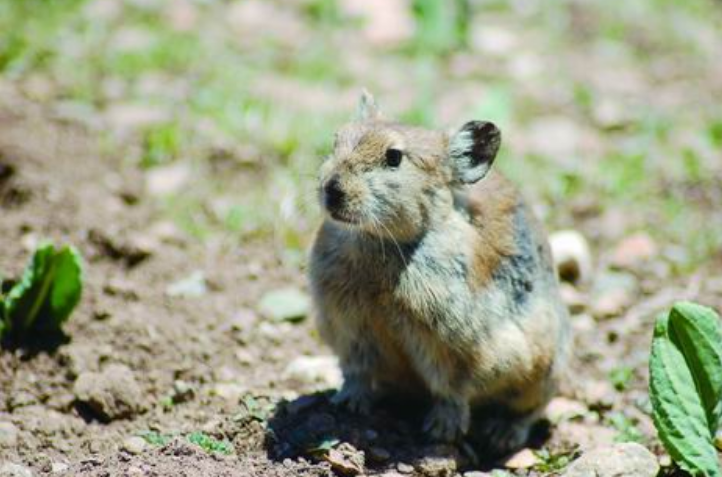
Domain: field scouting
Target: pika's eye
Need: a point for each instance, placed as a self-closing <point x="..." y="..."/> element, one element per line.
<point x="393" y="157"/>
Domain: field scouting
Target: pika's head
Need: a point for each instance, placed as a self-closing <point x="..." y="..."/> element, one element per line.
<point x="391" y="180"/>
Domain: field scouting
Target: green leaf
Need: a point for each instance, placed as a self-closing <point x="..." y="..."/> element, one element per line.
<point x="678" y="410"/>
<point x="696" y="331"/>
<point x="49" y="290"/>
<point x="26" y="298"/>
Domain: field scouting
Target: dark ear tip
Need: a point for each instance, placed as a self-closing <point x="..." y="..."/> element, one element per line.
<point x="482" y="129"/>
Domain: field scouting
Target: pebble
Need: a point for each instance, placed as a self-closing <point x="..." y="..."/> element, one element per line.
<point x="404" y="468"/>
<point x="285" y="304"/>
<point x="379" y="454"/>
<point x="613" y="293"/>
<point x="628" y="459"/>
<point x="229" y="391"/>
<point x="584" y="435"/>
<point x="561" y="408"/>
<point x="634" y="251"/>
<point x="524" y="459"/>
<point x="574" y="300"/>
<point x="345" y="460"/>
<point x="572" y="256"/>
<point x="134" y="445"/>
<point x="321" y="370"/>
<point x="8" y="435"/>
<point x="437" y="466"/>
<point x="111" y="394"/>
<point x="166" y="180"/>
<point x="58" y="467"/>
<point x="9" y="469"/>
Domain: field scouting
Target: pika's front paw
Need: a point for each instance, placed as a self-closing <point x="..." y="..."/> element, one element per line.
<point x="447" y="421"/>
<point x="503" y="435"/>
<point x="355" y="397"/>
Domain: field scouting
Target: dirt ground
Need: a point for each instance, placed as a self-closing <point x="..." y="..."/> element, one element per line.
<point x="57" y="183"/>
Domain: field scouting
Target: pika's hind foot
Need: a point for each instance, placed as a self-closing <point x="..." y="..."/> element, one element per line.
<point x="447" y="421"/>
<point x="355" y="396"/>
<point x="504" y="435"/>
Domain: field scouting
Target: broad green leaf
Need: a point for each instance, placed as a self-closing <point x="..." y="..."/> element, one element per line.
<point x="26" y="298"/>
<point x="678" y="411"/>
<point x="65" y="289"/>
<point x="47" y="292"/>
<point x="695" y="329"/>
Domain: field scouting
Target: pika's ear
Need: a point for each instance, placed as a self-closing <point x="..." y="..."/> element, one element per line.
<point x="368" y="110"/>
<point x="472" y="150"/>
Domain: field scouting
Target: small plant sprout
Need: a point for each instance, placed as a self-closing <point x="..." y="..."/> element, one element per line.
<point x="42" y="300"/>
<point x="686" y="386"/>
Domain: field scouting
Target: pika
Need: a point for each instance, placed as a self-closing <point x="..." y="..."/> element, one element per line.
<point x="430" y="274"/>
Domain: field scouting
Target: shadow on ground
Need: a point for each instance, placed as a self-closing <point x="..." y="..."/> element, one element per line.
<point x="312" y="428"/>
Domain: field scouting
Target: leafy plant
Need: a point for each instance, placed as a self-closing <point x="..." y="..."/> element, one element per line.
<point x="686" y="385"/>
<point x="155" y="438"/>
<point x="626" y="428"/>
<point x="554" y="462"/>
<point x="42" y="300"/>
<point x="209" y="444"/>
<point x="621" y="377"/>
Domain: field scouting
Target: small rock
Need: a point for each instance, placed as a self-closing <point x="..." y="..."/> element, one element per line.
<point x="572" y="256"/>
<point x="182" y="391"/>
<point x="167" y="180"/>
<point x="584" y="435"/>
<point x="134" y="445"/>
<point x="9" y="469"/>
<point x="192" y="286"/>
<point x="229" y="391"/>
<point x="134" y="471"/>
<point x="322" y="370"/>
<point x="437" y="466"/>
<point x="574" y="300"/>
<point x="718" y="439"/>
<point x="379" y="454"/>
<point x="346" y="459"/>
<point x="286" y="304"/>
<point x="58" y="467"/>
<point x="477" y="473"/>
<point x="628" y="459"/>
<point x="524" y="459"/>
<point x="599" y="394"/>
<point x="111" y="394"/>
<point x="405" y="468"/>
<point x="634" y="251"/>
<point x="613" y="293"/>
<point x="561" y="408"/>
<point x="8" y="435"/>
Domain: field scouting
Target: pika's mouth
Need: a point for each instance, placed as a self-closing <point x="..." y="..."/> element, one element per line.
<point x="343" y="217"/>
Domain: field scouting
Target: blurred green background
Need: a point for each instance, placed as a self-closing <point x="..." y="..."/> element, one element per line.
<point x="610" y="110"/>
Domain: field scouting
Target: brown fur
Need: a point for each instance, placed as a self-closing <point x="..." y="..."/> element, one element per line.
<point x="425" y="283"/>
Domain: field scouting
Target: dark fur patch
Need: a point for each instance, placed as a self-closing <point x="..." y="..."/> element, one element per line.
<point x="516" y="273"/>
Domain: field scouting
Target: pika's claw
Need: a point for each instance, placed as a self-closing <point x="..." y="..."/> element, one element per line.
<point x="447" y="421"/>
<point x="355" y="397"/>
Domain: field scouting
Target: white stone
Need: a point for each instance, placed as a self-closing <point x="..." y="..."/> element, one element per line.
<point x="572" y="255"/>
<point x="628" y="459"/>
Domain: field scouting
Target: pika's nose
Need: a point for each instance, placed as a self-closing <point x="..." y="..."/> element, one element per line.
<point x="334" y="195"/>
